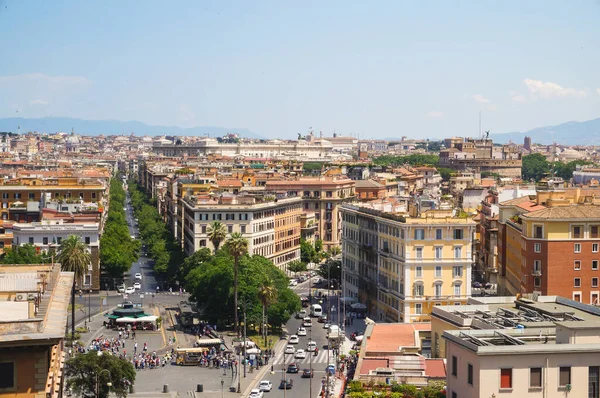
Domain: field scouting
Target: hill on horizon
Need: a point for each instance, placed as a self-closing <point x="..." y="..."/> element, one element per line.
<point x="569" y="133"/>
<point x="112" y="127"/>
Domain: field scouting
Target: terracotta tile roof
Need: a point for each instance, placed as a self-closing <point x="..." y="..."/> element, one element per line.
<point x="388" y="337"/>
<point x="230" y="183"/>
<point x="435" y="368"/>
<point x="566" y="212"/>
<point x="367" y="184"/>
<point x="369" y="364"/>
<point x="518" y="201"/>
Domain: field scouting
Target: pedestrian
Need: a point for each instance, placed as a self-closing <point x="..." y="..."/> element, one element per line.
<point x="120" y="334"/>
<point x="135" y="348"/>
<point x="123" y="343"/>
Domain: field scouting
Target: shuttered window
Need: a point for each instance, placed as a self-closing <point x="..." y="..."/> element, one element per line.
<point x="505" y="378"/>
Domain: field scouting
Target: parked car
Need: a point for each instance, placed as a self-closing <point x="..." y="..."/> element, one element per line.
<point x="293" y="368"/>
<point x="294" y="339"/>
<point x="308" y="373"/>
<point x="286" y="384"/>
<point x="290" y="349"/>
<point x="255" y="393"/>
<point x="265" y="385"/>
<point x="300" y="354"/>
<point x="130" y="290"/>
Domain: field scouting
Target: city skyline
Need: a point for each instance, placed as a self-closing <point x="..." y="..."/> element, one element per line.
<point x="276" y="69"/>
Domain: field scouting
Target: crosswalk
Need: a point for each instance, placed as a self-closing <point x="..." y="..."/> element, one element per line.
<point x="320" y="358"/>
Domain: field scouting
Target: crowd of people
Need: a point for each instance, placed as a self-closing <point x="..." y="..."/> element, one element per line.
<point x="140" y="357"/>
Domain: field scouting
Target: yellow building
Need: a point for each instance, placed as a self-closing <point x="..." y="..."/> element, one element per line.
<point x="400" y="266"/>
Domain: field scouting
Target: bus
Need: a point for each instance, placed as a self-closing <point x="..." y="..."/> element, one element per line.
<point x="316" y="310"/>
<point x="189" y="356"/>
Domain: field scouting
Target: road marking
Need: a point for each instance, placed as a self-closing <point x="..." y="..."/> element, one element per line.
<point x="289" y="358"/>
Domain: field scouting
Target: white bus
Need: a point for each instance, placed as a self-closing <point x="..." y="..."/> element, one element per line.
<point x="316" y="310"/>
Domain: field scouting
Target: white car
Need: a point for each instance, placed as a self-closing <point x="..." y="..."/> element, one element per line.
<point x="129" y="290"/>
<point x="301" y="331"/>
<point x="121" y="288"/>
<point x="326" y="325"/>
<point x="138" y="276"/>
<point x="290" y="349"/>
<point x="255" y="393"/>
<point x="294" y="339"/>
<point x="306" y="322"/>
<point x="311" y="346"/>
<point x="300" y="354"/>
<point x="137" y="286"/>
<point x="265" y="385"/>
<point x="293" y="282"/>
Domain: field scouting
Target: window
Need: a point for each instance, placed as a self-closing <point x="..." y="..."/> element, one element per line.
<point x="4" y="195"/>
<point x="538" y="232"/>
<point x="537" y="266"/>
<point x="537" y="281"/>
<point x="329" y="194"/>
<point x="438" y="253"/>
<point x="594" y="282"/>
<point x="594" y="248"/>
<point x="454" y="395"/>
<point x="577" y="232"/>
<point x="535" y="377"/>
<point x="505" y="378"/>
<point x="87" y="280"/>
<point x="577" y="248"/>
<point x="594" y="231"/>
<point x="7" y="375"/>
<point x="243" y="229"/>
<point x="202" y="242"/>
<point x="31" y="195"/>
<point x="438" y="271"/>
<point x="457" y="289"/>
<point x="419" y="253"/>
<point x="87" y="240"/>
<point x="419" y="234"/>
<point x="595" y="265"/>
<point x="418" y="308"/>
<point x="438" y="233"/>
<point x="418" y="289"/>
<point x="31" y="240"/>
<point x="17" y="196"/>
<point x="419" y="272"/>
<point x="577" y="297"/>
<point x="204" y="229"/>
<point x="564" y="376"/>
<point x="577" y="282"/>
<point x="457" y="252"/>
<point x="470" y="374"/>
<point x="458" y="234"/>
<point x="438" y="289"/>
<point x="454" y="366"/>
<point x="93" y="195"/>
<point x="537" y="247"/>
<point x="457" y="271"/>
<point x="230" y="228"/>
<point x="577" y="265"/>
<point x="45" y="240"/>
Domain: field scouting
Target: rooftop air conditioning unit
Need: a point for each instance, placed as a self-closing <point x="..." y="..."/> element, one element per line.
<point x="21" y="297"/>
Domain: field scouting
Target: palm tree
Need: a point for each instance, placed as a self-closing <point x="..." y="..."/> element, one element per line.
<point x="73" y="256"/>
<point x="267" y="292"/>
<point x="237" y="246"/>
<point x="217" y="232"/>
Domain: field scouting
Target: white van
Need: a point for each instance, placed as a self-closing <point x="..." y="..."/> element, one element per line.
<point x="316" y="310"/>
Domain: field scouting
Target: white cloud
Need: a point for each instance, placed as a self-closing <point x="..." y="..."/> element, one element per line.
<point x="42" y="78"/>
<point x="516" y="97"/>
<point x="435" y="114"/>
<point x="38" y="102"/>
<point x="548" y="90"/>
<point x="480" y="99"/>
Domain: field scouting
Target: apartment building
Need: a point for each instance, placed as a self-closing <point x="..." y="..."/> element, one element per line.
<point x="270" y="223"/>
<point x="48" y="234"/>
<point x="535" y="347"/>
<point x="324" y="197"/>
<point x="34" y="301"/>
<point x="399" y="266"/>
<point x="549" y="244"/>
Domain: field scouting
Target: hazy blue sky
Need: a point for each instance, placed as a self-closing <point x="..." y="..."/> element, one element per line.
<point x="374" y="68"/>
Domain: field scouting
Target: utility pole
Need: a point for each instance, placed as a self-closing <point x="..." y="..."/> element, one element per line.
<point x="245" y="356"/>
<point x="309" y="340"/>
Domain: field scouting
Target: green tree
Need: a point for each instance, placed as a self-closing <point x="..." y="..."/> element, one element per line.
<point x="412" y="160"/>
<point x="194" y="261"/>
<point x="267" y="293"/>
<point x="217" y="232"/>
<point x="74" y="256"/>
<point x="445" y="173"/>
<point x="308" y="254"/>
<point x="296" y="266"/>
<point x="334" y="251"/>
<point x="319" y="245"/>
<point x="331" y="269"/>
<point x="534" y="167"/>
<point x="237" y="246"/>
<point x="25" y="254"/>
<point x="565" y="170"/>
<point x="93" y="375"/>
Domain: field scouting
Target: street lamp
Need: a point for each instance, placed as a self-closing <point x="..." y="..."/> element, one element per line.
<point x="245" y="304"/>
<point x="90" y="306"/>
<point x="108" y="384"/>
<point x="222" y="384"/>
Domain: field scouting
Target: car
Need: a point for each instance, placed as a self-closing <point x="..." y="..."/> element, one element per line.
<point x="301" y="331"/>
<point x="286" y="384"/>
<point x="265" y="385"/>
<point x="477" y="285"/>
<point x="308" y="373"/>
<point x="294" y="339"/>
<point x="138" y="276"/>
<point x="300" y="354"/>
<point x="137" y="286"/>
<point x="326" y="325"/>
<point x="129" y="290"/>
<point x="121" y="288"/>
<point x="255" y="393"/>
<point x="301" y="314"/>
<point x="290" y="349"/>
<point x="306" y="322"/>
<point x="322" y="318"/>
<point x="293" y="368"/>
<point x="330" y="368"/>
<point x="488" y="285"/>
<point x="293" y="282"/>
<point x="311" y="346"/>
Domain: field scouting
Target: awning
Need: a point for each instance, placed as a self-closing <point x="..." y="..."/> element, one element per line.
<point x="126" y="320"/>
<point x="348" y="300"/>
<point x="358" y="306"/>
<point x="112" y="316"/>
<point x="253" y="351"/>
<point x="149" y="318"/>
<point x="205" y="342"/>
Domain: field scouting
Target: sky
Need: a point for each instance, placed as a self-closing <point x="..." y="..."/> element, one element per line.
<point x="371" y="69"/>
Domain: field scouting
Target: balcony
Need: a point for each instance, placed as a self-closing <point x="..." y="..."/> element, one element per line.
<point x="537" y="272"/>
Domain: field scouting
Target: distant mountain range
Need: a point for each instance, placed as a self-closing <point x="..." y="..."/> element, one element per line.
<point x="569" y="133"/>
<point x="108" y="127"/>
